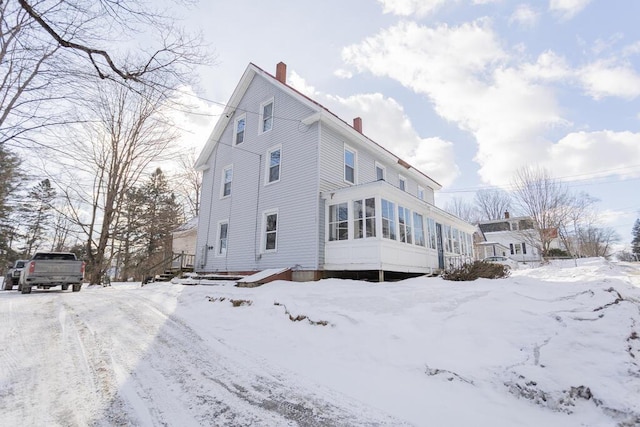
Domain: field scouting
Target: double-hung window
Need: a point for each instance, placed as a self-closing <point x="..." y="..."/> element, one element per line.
<point x="227" y="177"/>
<point x="266" y="116"/>
<point x="418" y="229"/>
<point x="364" y="218"/>
<point x="388" y="220"/>
<point x="273" y="165"/>
<point x="223" y="233"/>
<point x="270" y="231"/>
<point x="432" y="233"/>
<point x="380" y="172"/>
<point x="339" y="221"/>
<point x="420" y="193"/>
<point x="404" y="224"/>
<point x="349" y="165"/>
<point x="402" y="183"/>
<point x="239" y="129"/>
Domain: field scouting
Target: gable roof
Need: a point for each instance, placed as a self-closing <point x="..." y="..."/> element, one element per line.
<point x="321" y="113"/>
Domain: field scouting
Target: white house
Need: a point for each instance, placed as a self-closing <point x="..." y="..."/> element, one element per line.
<point x="286" y="183"/>
<point x="514" y="237"/>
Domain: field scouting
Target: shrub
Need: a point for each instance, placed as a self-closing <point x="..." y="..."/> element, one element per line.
<point x="478" y="269"/>
<point x="555" y="252"/>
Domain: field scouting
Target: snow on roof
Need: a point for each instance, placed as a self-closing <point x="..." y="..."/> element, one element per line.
<point x="261" y="275"/>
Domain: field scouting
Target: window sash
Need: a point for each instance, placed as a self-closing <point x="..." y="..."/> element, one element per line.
<point x="339" y="221"/>
<point x="404" y="224"/>
<point x="364" y="214"/>
<point x="240" y="125"/>
<point x="271" y="231"/>
<point x="388" y="220"/>
<point x="418" y="229"/>
<point x="267" y="117"/>
<point x="222" y="238"/>
<point x="228" y="178"/>
<point x="349" y="166"/>
<point x="274" y="165"/>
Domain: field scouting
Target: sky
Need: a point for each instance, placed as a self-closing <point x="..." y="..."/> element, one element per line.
<point x="555" y="346"/>
<point x="468" y="91"/>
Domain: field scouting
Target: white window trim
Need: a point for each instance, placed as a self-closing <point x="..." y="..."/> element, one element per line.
<point x="384" y="171"/>
<point x="235" y="129"/>
<point x="406" y="183"/>
<point x="268" y="162"/>
<point x="226" y="168"/>
<point x="421" y="188"/>
<point x="355" y="165"/>
<point x="263" y="239"/>
<point x="218" y="254"/>
<point x="260" y="123"/>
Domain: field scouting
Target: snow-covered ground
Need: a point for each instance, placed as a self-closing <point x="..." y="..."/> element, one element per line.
<point x="551" y="346"/>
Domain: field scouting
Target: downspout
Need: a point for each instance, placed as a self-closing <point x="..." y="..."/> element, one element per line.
<point x="317" y="213"/>
<point x="256" y="253"/>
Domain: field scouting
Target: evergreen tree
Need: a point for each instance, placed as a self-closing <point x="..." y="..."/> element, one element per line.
<point x="37" y="214"/>
<point x="10" y="180"/>
<point x="635" y="241"/>
<point x="161" y="215"/>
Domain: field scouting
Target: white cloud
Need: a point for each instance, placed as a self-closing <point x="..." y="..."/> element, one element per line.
<point x="433" y="156"/>
<point x="603" y="152"/>
<point x="463" y="71"/>
<point x="343" y="74"/>
<point x="194" y="117"/>
<point x="410" y="7"/>
<point x="604" y="78"/>
<point x="567" y="9"/>
<point x="524" y="15"/>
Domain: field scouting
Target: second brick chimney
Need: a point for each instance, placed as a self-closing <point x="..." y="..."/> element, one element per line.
<point x="281" y="72"/>
<point x="506" y="215"/>
<point x="357" y="124"/>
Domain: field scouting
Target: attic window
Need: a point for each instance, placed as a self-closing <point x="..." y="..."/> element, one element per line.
<point x="239" y="129"/>
<point x="266" y="116"/>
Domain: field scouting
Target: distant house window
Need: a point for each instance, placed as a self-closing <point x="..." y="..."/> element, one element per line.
<point x="223" y="231"/>
<point x="239" y="129"/>
<point x="518" y="248"/>
<point x="364" y="218"/>
<point x="339" y="222"/>
<point x="418" y="229"/>
<point x="388" y="220"/>
<point x="266" y="116"/>
<point x="349" y="165"/>
<point x="380" y="172"/>
<point x="227" y="177"/>
<point x="403" y="183"/>
<point x="270" y="231"/>
<point x="273" y="165"/>
<point x="420" y="193"/>
<point x="404" y="224"/>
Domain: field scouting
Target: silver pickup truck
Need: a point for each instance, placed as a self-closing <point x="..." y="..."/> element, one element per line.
<point x="48" y="269"/>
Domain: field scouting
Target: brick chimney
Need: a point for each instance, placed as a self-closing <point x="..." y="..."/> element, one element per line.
<point x="357" y="124"/>
<point x="506" y="214"/>
<point x="281" y="72"/>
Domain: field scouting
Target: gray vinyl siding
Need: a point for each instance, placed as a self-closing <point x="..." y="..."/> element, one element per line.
<point x="295" y="196"/>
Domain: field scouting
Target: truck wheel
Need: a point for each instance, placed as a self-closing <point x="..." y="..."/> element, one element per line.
<point x="76" y="287"/>
<point x="26" y="289"/>
<point x="65" y="287"/>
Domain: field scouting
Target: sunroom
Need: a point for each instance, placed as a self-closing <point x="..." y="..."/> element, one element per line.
<point x="378" y="227"/>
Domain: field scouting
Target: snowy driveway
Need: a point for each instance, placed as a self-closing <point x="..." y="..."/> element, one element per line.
<point x="115" y="357"/>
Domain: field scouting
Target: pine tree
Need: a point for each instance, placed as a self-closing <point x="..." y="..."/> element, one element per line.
<point x="635" y="242"/>
<point x="37" y="214"/>
<point x="10" y="180"/>
<point x="161" y="215"/>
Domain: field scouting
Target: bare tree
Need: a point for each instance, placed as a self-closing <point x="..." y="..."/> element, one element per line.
<point x="188" y="182"/>
<point x="48" y="47"/>
<point x="463" y="210"/>
<point x="596" y="241"/>
<point x="546" y="201"/>
<point x="130" y="131"/>
<point x="492" y="203"/>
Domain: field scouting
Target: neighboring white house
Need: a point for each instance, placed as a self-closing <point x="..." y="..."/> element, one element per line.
<point x="514" y="237"/>
<point x="286" y="183"/>
<point x="184" y="237"/>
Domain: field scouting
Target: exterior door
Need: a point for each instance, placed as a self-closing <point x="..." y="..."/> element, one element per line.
<point x="440" y="247"/>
